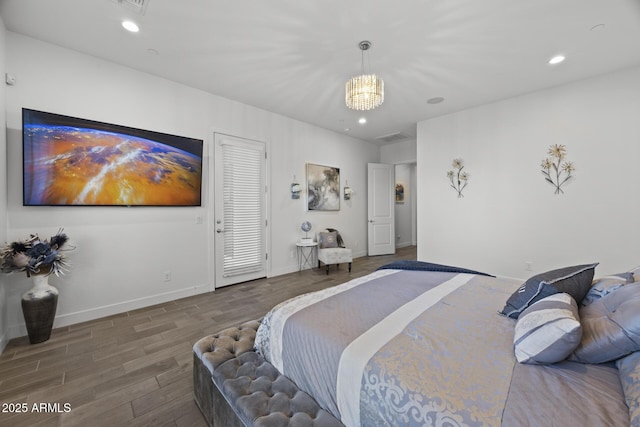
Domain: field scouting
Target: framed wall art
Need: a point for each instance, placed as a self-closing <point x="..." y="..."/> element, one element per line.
<point x="323" y="188"/>
<point x="399" y="192"/>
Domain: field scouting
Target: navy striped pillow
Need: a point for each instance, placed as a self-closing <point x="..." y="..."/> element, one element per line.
<point x="574" y="281"/>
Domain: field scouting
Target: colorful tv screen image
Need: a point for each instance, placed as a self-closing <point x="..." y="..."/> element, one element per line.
<point x="69" y="161"/>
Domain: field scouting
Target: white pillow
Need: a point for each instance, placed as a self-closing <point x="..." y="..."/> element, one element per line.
<point x="548" y="331"/>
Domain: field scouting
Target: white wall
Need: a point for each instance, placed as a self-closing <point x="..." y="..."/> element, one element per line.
<point x="4" y="308"/>
<point x="399" y="152"/>
<point x="122" y="252"/>
<point x="509" y="215"/>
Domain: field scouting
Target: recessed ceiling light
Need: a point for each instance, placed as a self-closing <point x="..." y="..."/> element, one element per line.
<point x="362" y="120"/>
<point x="130" y="26"/>
<point x="556" y="59"/>
<point x="436" y="100"/>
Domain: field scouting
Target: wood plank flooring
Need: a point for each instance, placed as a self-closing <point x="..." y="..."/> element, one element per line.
<point x="134" y="368"/>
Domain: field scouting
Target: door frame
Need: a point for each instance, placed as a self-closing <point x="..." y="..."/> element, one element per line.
<point x="214" y="176"/>
<point x="372" y="248"/>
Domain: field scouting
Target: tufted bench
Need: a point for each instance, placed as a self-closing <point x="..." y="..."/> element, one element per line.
<point x="234" y="386"/>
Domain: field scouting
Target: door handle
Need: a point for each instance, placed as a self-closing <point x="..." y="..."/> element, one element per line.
<point x="219" y="230"/>
<point x="371" y="220"/>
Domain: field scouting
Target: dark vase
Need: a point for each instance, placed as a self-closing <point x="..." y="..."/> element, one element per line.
<point x="39" y="308"/>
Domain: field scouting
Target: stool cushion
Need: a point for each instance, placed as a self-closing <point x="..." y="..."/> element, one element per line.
<point x="335" y="255"/>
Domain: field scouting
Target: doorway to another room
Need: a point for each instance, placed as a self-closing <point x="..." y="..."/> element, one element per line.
<point x="406" y="209"/>
<point x="392" y="207"/>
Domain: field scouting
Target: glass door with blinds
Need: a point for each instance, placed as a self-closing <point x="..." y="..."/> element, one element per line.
<point x="240" y="220"/>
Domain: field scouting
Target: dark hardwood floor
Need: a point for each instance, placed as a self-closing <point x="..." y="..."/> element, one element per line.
<point x="134" y="368"/>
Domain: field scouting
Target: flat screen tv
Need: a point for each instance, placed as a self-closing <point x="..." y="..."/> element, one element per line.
<point x="68" y="161"/>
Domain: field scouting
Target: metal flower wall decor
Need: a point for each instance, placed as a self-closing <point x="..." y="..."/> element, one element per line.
<point x="458" y="178"/>
<point x="556" y="170"/>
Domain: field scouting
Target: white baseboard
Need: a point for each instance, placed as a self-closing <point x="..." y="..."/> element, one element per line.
<point x="360" y="253"/>
<point x="294" y="268"/>
<point x="286" y="270"/>
<point x="20" y="330"/>
<point x="4" y="340"/>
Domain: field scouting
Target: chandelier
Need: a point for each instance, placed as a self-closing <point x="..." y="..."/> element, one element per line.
<point x="366" y="91"/>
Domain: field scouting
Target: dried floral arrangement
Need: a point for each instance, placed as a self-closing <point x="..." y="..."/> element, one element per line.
<point x="555" y="169"/>
<point x="36" y="256"/>
<point x="458" y="178"/>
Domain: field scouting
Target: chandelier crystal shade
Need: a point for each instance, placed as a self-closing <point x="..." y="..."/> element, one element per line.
<point x="366" y="91"/>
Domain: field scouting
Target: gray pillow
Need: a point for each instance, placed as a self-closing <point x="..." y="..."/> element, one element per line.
<point x="547" y="331"/>
<point x="605" y="285"/>
<point x="610" y="326"/>
<point x="629" y="371"/>
<point x="575" y="281"/>
<point x="327" y="239"/>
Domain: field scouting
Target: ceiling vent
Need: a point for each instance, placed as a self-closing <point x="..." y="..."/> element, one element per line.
<point x="393" y="137"/>
<point x="138" y="6"/>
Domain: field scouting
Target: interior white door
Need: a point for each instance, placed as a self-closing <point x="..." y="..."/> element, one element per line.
<point x="381" y="209"/>
<point x="240" y="218"/>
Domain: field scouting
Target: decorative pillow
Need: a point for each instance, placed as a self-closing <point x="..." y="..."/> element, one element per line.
<point x="629" y="370"/>
<point x="547" y="331"/>
<point x="605" y="285"/>
<point x="610" y="326"/>
<point x="327" y="239"/>
<point x="636" y="274"/>
<point x="575" y="281"/>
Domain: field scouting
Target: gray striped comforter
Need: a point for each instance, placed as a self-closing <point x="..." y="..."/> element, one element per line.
<point x="414" y="348"/>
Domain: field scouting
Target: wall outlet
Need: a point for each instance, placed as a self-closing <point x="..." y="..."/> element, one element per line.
<point x="167" y="276"/>
<point x="292" y="253"/>
<point x="528" y="265"/>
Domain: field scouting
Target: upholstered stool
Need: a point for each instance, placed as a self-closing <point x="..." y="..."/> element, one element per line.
<point x="334" y="256"/>
<point x="236" y="387"/>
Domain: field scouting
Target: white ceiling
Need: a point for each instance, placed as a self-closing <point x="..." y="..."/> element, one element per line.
<point x="293" y="57"/>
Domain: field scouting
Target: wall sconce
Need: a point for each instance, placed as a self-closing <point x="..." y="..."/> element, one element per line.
<point x="347" y="191"/>
<point x="295" y="189"/>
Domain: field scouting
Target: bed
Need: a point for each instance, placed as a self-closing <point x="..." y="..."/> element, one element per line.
<point x="416" y="344"/>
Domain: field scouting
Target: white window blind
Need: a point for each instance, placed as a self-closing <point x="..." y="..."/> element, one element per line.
<point x="243" y="218"/>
